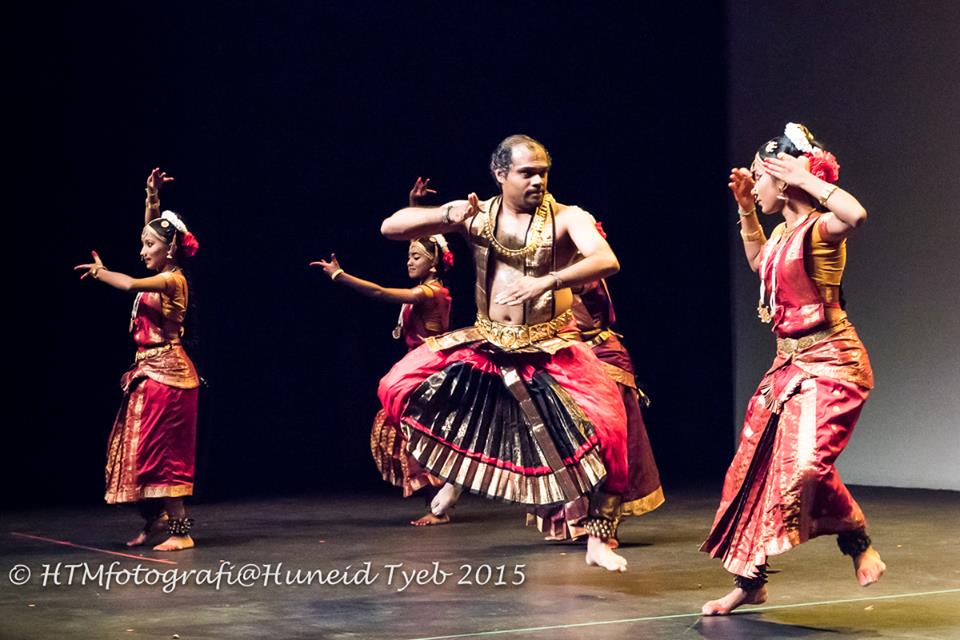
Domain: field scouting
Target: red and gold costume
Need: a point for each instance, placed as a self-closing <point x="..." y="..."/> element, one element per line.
<point x="152" y="446"/>
<point x="387" y="442"/>
<point x="524" y="413"/>
<point x="594" y="313"/>
<point x="782" y="487"/>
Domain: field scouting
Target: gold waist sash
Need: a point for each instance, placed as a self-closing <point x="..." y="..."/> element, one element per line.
<point x="511" y="337"/>
<point x="152" y="351"/>
<point x="788" y="346"/>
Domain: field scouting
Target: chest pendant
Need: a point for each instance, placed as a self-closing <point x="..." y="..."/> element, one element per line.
<point x="763" y="312"/>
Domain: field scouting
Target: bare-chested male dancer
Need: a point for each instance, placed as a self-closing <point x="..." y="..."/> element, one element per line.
<point x="515" y="407"/>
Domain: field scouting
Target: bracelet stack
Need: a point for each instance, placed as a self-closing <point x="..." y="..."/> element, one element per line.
<point x="333" y="276"/>
<point x="152" y="201"/>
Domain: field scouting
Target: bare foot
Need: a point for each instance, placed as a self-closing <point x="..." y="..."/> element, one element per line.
<point x="446" y="499"/>
<point x="869" y="567"/>
<point x="734" y="599"/>
<point x="430" y="519"/>
<point x="175" y="543"/>
<point x="601" y="555"/>
<point x="154" y="532"/>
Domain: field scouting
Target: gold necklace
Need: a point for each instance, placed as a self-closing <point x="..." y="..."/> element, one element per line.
<point x="539" y="219"/>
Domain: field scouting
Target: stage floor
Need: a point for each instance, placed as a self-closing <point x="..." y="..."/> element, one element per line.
<point x="813" y="593"/>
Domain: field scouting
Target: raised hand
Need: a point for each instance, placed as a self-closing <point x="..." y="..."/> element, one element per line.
<point x="787" y="168"/>
<point x="741" y="184"/>
<point x="157" y="179"/>
<point x="470" y="208"/>
<point x="91" y="268"/>
<point x="419" y="191"/>
<point x="329" y="267"/>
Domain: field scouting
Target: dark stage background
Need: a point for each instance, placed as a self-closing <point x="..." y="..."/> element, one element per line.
<point x="292" y="130"/>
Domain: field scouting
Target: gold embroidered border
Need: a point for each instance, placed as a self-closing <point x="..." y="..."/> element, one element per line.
<point x="643" y="505"/>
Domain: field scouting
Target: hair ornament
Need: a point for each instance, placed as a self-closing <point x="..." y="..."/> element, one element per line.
<point x="799" y="135"/>
<point x="445" y="253"/>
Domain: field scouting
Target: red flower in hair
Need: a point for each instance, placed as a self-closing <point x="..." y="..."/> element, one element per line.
<point x="448" y="258"/>
<point x="824" y="165"/>
<point x="603" y="234"/>
<point x="189" y="244"/>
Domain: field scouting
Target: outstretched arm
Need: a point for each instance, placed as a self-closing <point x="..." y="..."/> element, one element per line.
<point x="370" y="289"/>
<point x="416" y="222"/>
<point x="155" y="181"/>
<point x="118" y="280"/>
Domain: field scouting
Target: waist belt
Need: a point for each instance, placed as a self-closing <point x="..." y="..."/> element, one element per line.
<point x="510" y="337"/>
<point x="599" y="338"/>
<point x="152" y="351"/>
<point x="792" y="345"/>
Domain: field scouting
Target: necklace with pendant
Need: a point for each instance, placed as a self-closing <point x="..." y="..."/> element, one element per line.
<point x="765" y="310"/>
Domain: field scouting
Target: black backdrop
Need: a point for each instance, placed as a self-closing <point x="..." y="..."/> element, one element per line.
<point x="293" y="128"/>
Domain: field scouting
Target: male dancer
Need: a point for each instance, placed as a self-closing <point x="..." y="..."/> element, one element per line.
<point x="516" y="407"/>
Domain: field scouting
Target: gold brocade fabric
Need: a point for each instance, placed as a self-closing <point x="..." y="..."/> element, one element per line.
<point x="782" y="487"/>
<point x="536" y="263"/>
<point x="839" y="355"/>
<point x="169" y="365"/>
<point x="548" y="337"/>
<point x="396" y="466"/>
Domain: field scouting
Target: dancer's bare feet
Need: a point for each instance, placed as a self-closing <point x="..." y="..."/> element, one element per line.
<point x="601" y="555"/>
<point x="734" y="599"/>
<point x="138" y="540"/>
<point x="430" y="519"/>
<point x="151" y="533"/>
<point x="175" y="543"/>
<point x="869" y="567"/>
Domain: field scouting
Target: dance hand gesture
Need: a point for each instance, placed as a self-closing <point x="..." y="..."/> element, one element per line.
<point x="330" y="267"/>
<point x="157" y="179"/>
<point x="419" y="191"/>
<point x="470" y="208"/>
<point x="787" y="168"/>
<point x="522" y="289"/>
<point x="741" y="185"/>
<point x="92" y="268"/>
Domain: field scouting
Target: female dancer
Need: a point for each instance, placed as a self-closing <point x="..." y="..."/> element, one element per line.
<point x="782" y="488"/>
<point x="152" y="447"/>
<point x="425" y="312"/>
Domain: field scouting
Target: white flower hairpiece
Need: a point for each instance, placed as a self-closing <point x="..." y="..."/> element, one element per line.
<point x="174" y="220"/>
<point x="441" y="241"/>
<point x="798" y="136"/>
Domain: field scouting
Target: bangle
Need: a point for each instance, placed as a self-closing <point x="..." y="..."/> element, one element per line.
<point x="558" y="280"/>
<point x="445" y="217"/>
<point x="746" y="214"/>
<point x="755" y="236"/>
<point x="333" y="276"/>
<point x="151" y="194"/>
<point x="153" y="205"/>
<point x="827" y="192"/>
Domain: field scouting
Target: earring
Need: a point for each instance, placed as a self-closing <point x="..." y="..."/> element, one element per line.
<point x="782" y="189"/>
